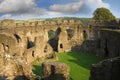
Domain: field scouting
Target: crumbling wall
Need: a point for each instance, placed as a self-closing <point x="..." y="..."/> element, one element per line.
<point x="13" y="67"/>
<point x="7" y="23"/>
<point x="109" y="43"/>
<point x="30" y="41"/>
<point x="100" y="42"/>
<point x="23" y="43"/>
<point x="106" y="70"/>
<point x="55" y="71"/>
<point x="8" y="44"/>
<point x="63" y="42"/>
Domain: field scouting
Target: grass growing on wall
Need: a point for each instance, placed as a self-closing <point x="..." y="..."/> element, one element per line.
<point x="79" y="64"/>
<point x="37" y="68"/>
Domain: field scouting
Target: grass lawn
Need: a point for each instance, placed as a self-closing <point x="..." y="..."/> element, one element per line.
<point x="79" y="64"/>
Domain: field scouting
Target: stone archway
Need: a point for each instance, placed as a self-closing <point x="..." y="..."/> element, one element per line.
<point x="70" y="33"/>
<point x="51" y="34"/>
<point x="61" y="45"/>
<point x="54" y="41"/>
<point x="30" y="44"/>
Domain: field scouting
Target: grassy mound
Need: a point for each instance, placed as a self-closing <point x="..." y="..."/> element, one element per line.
<point x="79" y="64"/>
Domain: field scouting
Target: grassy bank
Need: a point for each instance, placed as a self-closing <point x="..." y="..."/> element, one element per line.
<point x="79" y="64"/>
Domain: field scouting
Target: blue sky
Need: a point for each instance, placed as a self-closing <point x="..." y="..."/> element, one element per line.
<point x="114" y="7"/>
<point x="28" y="9"/>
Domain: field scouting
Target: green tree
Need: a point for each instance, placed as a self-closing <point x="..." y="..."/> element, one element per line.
<point x="103" y="14"/>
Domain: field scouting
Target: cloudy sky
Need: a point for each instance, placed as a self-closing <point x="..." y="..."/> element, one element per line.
<point x="28" y="9"/>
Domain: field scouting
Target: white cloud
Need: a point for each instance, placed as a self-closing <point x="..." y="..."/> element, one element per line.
<point x="26" y="9"/>
<point x="19" y="7"/>
<point x="78" y="6"/>
<point x="26" y="16"/>
<point x="23" y="9"/>
<point x="93" y="4"/>
<point x="67" y="8"/>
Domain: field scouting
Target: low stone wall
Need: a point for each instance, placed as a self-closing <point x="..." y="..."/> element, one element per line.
<point x="55" y="71"/>
<point x="14" y="68"/>
<point x="106" y="70"/>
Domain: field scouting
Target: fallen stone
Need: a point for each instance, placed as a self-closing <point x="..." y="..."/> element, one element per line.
<point x="55" y="71"/>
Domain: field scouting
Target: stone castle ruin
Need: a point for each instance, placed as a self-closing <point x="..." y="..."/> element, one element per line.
<point x="28" y="41"/>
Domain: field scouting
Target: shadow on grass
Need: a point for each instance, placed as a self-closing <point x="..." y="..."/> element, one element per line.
<point x="84" y="59"/>
<point x="79" y="63"/>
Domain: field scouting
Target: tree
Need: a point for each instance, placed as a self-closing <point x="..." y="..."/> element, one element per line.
<point x="103" y="14"/>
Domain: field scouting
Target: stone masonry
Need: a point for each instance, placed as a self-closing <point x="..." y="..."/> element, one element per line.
<point x="30" y="40"/>
<point x="106" y="70"/>
<point x="55" y="71"/>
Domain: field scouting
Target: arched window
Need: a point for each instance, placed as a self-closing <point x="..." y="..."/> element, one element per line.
<point x="70" y="33"/>
<point x="30" y="44"/>
<point x="61" y="45"/>
<point x="84" y="34"/>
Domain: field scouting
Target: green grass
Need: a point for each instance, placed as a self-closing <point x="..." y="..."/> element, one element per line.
<point x="37" y="68"/>
<point x="79" y="63"/>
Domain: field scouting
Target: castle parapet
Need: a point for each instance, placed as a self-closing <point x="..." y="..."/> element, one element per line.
<point x="52" y="23"/>
<point x="78" y="22"/>
<point x="26" y="24"/>
<point x="40" y="23"/>
<point x="33" y="23"/>
<point x="7" y="24"/>
<point x="46" y="22"/>
<point x="12" y="24"/>
<point x="19" y="24"/>
<point x="65" y="21"/>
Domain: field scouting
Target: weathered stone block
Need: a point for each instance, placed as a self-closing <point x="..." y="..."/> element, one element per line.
<point x="55" y="71"/>
<point x="106" y="70"/>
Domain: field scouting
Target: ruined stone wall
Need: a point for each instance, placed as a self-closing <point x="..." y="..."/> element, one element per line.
<point x="106" y="70"/>
<point x="63" y="42"/>
<point x="30" y="39"/>
<point x="22" y="43"/>
<point x="11" y="23"/>
<point x="13" y="68"/>
<point x="55" y="71"/>
<point x="100" y="42"/>
<point x="109" y="43"/>
<point x="105" y="24"/>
